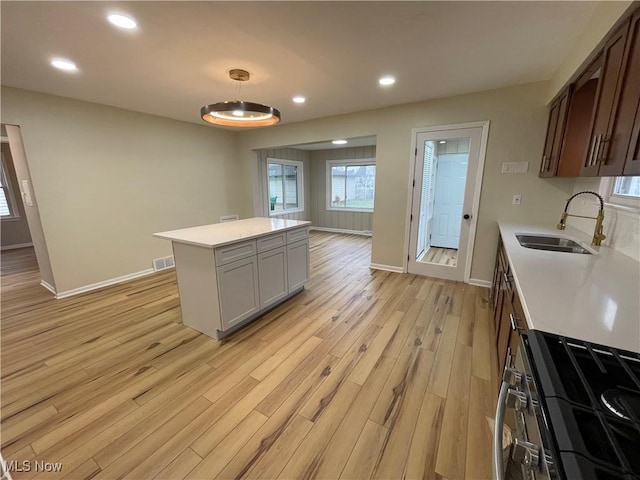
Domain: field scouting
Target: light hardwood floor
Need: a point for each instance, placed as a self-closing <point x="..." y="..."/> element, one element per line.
<point x="442" y="256"/>
<point x="365" y="374"/>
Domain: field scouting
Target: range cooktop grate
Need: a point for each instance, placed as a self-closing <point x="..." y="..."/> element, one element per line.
<point x="593" y="395"/>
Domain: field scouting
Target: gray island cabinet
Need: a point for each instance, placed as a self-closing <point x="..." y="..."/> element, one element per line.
<point x="231" y="273"/>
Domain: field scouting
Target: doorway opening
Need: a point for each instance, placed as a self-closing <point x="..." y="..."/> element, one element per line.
<point x="24" y="249"/>
<point x="446" y="178"/>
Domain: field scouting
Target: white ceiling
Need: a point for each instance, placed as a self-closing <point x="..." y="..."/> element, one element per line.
<point x="328" y="145"/>
<point x="331" y="52"/>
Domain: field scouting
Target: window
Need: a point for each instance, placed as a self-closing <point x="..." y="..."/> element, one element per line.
<point x="351" y="185"/>
<point x="285" y="186"/>
<point x="623" y="191"/>
<point x="7" y="201"/>
<point x="627" y="187"/>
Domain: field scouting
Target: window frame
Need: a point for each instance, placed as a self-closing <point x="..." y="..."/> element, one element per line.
<point x="299" y="186"/>
<point x="607" y="185"/>
<point x="14" y="213"/>
<point x="352" y="162"/>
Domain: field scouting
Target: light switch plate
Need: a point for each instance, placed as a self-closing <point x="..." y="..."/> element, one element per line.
<point x="515" y="167"/>
<point x="517" y="199"/>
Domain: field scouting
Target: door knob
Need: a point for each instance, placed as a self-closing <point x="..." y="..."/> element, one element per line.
<point x="466" y="216"/>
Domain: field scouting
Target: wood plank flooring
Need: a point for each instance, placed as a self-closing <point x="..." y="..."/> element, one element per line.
<point x="365" y="374"/>
<point x="441" y="256"/>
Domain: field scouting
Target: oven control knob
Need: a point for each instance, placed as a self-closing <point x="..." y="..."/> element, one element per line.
<point x="526" y="454"/>
<point x="512" y="376"/>
<point x="517" y="400"/>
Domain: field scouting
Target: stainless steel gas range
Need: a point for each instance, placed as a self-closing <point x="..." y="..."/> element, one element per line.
<point x="577" y="411"/>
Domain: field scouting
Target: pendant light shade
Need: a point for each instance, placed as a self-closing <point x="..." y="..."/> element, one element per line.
<point x="238" y="113"/>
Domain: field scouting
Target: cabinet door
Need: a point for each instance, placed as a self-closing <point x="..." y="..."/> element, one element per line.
<point x="238" y="289"/>
<point x="497" y="289"/>
<point x="518" y="326"/>
<point x="620" y="150"/>
<point x="297" y="264"/>
<point x="272" y="276"/>
<point x="578" y="128"/>
<point x="607" y="99"/>
<point x="507" y="327"/>
<point x="555" y="134"/>
<point x="504" y="333"/>
<point x="632" y="164"/>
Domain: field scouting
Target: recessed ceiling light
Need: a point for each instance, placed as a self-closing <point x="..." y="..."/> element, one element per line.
<point x="386" y="81"/>
<point x="338" y="142"/>
<point x="122" y="21"/>
<point x="443" y="141"/>
<point x="64" y="64"/>
<point x="299" y="99"/>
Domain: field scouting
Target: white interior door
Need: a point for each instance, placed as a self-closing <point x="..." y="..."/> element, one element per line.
<point x="455" y="198"/>
<point x="451" y="177"/>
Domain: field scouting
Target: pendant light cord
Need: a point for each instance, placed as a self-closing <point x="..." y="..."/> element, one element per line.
<point x="238" y="88"/>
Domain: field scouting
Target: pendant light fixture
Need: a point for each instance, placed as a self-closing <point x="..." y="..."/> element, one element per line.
<point x="238" y="113"/>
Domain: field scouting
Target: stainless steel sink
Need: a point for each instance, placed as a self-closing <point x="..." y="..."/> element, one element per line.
<point x="554" y="244"/>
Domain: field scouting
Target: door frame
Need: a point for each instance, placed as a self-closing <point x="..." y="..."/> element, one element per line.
<point x="476" y="194"/>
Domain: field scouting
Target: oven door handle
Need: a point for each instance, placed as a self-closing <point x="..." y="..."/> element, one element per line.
<point x="498" y="467"/>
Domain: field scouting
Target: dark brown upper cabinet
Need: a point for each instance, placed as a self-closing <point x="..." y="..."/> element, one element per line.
<point x="623" y="156"/>
<point x="578" y="129"/>
<point x="555" y="131"/>
<point x="600" y="134"/>
<point x="610" y="75"/>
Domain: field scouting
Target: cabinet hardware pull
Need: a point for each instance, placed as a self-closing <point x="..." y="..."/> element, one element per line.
<point x="514" y="323"/>
<point x="604" y="145"/>
<point x="588" y="162"/>
<point x="597" y="149"/>
<point x="507" y="278"/>
<point x="592" y="152"/>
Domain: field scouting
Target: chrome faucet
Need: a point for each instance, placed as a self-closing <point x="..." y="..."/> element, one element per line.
<point x="598" y="236"/>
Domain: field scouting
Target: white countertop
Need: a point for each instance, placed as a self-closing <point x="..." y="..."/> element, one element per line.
<point x="590" y="297"/>
<point x="219" y="234"/>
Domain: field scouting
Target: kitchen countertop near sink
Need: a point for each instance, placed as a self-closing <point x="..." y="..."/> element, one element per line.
<point x="590" y="297"/>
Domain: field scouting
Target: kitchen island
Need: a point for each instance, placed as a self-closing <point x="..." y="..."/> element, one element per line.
<point x="231" y="273"/>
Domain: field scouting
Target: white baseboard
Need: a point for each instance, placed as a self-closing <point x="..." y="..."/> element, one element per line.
<point x="341" y="230"/>
<point x="105" y="283"/>
<point x="480" y="283"/>
<point x="16" y="246"/>
<point x="386" y="268"/>
<point x="48" y="286"/>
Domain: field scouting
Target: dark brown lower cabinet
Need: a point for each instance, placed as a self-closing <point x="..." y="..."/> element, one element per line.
<point x="508" y="315"/>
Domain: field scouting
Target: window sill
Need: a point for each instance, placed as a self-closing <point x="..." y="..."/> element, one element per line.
<point x="358" y="210"/>
<point x="10" y="219"/>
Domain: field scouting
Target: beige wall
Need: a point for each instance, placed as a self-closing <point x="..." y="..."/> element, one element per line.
<point x="604" y="17"/>
<point x="320" y="216"/>
<point x="284" y="153"/>
<point x="518" y="120"/>
<point x="106" y="179"/>
<point x="14" y="231"/>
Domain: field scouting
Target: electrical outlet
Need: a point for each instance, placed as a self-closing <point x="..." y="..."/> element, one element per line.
<point x="517" y="199"/>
